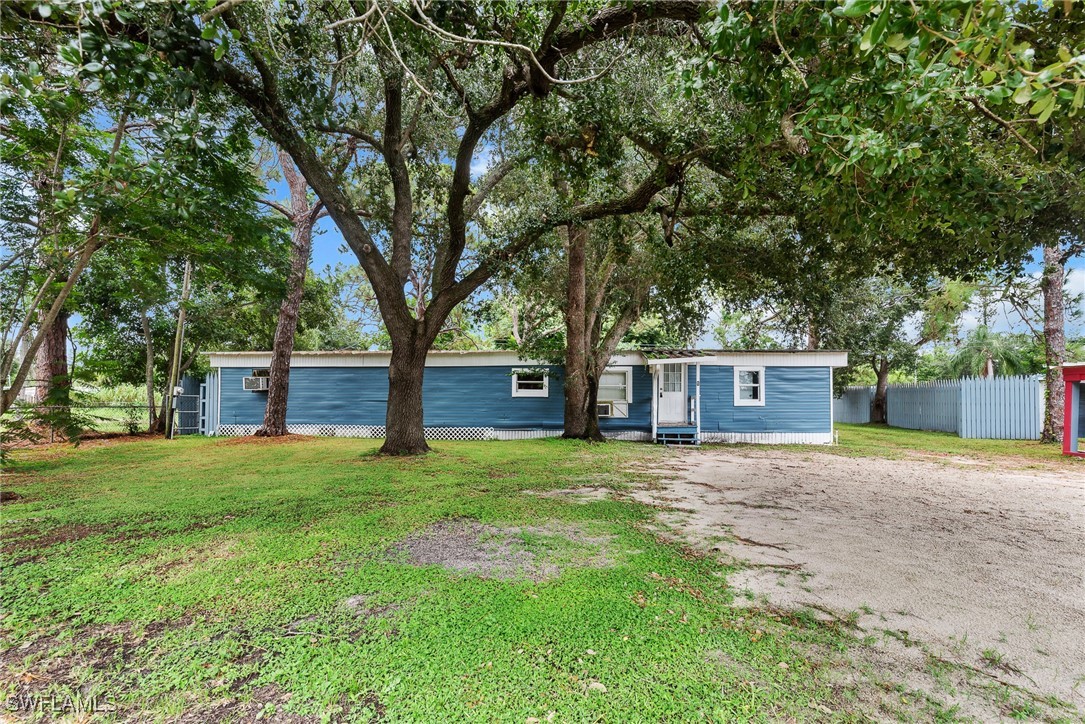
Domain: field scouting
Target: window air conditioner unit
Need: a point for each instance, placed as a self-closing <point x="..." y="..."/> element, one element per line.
<point x="255" y="384"/>
<point x="604" y="409"/>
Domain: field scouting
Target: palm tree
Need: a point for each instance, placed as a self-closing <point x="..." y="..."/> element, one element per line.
<point x="984" y="352"/>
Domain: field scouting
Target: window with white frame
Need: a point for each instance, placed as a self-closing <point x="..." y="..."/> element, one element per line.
<point x="749" y="386"/>
<point x="530" y="383"/>
<point x="616" y="385"/>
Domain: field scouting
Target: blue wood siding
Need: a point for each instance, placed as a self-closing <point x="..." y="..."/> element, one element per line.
<point x="797" y="399"/>
<point x="452" y="397"/>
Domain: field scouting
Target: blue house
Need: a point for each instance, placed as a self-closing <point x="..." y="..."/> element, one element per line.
<point x="674" y="396"/>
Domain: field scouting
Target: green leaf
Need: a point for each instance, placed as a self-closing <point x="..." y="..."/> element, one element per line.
<point x="988" y="76"/>
<point x="857" y="8"/>
<point x="1048" y="110"/>
<point x="877" y="30"/>
<point x="1041" y="103"/>
<point x="220" y="51"/>
<point x="897" y="41"/>
<point x="1043" y="107"/>
<point x="1023" y="94"/>
<point x="209" y="32"/>
<point x="867" y="41"/>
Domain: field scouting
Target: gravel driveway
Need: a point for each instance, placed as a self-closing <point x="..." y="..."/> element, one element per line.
<point x="965" y="560"/>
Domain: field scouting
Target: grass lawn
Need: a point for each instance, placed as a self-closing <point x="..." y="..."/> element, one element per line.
<point x="895" y="442"/>
<point x="210" y="579"/>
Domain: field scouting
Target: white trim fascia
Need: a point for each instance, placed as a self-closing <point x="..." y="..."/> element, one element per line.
<point x="760" y="401"/>
<point x="769" y="438"/>
<point x="544" y="392"/>
<point x="697" y="411"/>
<point x="655" y="396"/>
<point x="507" y="358"/>
<point x="218" y="400"/>
<point x="798" y="358"/>
<point x="779" y="359"/>
<point x="436" y="358"/>
<point x="832" y="426"/>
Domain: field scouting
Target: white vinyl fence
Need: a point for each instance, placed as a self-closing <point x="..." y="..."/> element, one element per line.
<point x="1006" y="408"/>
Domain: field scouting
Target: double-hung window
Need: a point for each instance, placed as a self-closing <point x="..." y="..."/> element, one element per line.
<point x="615" y="391"/>
<point x="530" y="383"/>
<point x="616" y="385"/>
<point x="749" y="386"/>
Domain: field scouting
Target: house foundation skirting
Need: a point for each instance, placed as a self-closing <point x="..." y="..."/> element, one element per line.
<point x="770" y="438"/>
<point x="432" y="433"/>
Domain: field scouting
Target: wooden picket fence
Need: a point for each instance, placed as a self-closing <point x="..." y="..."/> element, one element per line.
<point x="1005" y="408"/>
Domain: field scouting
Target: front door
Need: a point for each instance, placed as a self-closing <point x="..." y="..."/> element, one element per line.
<point x="672" y="395"/>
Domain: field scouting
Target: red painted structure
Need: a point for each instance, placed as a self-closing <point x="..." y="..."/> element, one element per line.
<point x="1073" y="376"/>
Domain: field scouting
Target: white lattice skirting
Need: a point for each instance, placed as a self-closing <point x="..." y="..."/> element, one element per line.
<point x="629" y="435"/>
<point x="770" y="438"/>
<point x="432" y="433"/>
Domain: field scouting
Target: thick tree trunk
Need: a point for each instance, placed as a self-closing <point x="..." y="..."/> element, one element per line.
<point x="879" y="405"/>
<point x="283" y="346"/>
<point x="403" y="426"/>
<point x="160" y="420"/>
<point x="148" y="371"/>
<point x="1054" y="343"/>
<point x="591" y="423"/>
<point x="53" y="385"/>
<point x="578" y="406"/>
<point x="588" y="350"/>
<point x="11" y="394"/>
<point x="813" y="337"/>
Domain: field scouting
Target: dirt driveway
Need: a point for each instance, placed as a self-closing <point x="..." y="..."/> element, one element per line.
<point x="964" y="560"/>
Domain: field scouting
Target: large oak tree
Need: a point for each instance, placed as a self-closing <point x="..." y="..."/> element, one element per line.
<point x="414" y="99"/>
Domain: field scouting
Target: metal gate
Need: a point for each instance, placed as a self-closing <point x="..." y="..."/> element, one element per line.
<point x="186" y="411"/>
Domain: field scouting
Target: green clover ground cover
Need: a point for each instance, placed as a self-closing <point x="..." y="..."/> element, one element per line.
<point x="218" y="580"/>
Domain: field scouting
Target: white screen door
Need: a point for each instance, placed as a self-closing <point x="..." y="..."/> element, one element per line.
<point x="672" y="394"/>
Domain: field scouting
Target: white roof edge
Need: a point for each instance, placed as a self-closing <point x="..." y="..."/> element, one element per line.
<point x="797" y="358"/>
<point x="503" y="358"/>
<point x="653" y="362"/>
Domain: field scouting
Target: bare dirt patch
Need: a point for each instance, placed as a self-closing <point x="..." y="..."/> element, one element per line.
<point x="979" y="568"/>
<point x="264" y="704"/>
<point x="363" y="606"/>
<point x="265" y="440"/>
<point x="493" y="552"/>
<point x="587" y="494"/>
<point x="68" y="533"/>
<point x="76" y="664"/>
<point x="196" y="557"/>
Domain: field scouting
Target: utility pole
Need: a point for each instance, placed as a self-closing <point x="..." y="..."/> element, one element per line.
<point x="178" y="339"/>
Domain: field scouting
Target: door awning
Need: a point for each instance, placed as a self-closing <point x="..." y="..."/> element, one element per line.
<point x="671" y="356"/>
